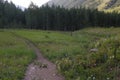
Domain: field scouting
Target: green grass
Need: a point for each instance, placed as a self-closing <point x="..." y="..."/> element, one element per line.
<point x="14" y="57"/>
<point x="56" y="45"/>
<point x="71" y="54"/>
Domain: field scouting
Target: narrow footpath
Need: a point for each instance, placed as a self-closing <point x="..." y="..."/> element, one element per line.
<point x="41" y="68"/>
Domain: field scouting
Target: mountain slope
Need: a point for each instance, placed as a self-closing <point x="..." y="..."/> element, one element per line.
<point x="93" y="4"/>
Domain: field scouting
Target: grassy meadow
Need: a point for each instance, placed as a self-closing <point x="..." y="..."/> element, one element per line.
<point x="15" y="55"/>
<point x="73" y="55"/>
<point x="87" y="54"/>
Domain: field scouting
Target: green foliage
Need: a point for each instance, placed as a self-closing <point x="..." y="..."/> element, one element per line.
<point x="107" y="58"/>
<point x="108" y="49"/>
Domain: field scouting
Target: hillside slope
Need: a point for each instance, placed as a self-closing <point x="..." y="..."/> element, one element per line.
<point x="93" y="4"/>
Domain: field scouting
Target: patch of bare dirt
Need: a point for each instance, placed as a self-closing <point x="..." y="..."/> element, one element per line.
<point x="41" y="68"/>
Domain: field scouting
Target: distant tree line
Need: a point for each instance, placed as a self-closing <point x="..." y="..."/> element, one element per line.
<point x="10" y="15"/>
<point x="54" y="18"/>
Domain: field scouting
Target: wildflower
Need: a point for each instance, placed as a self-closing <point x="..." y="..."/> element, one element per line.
<point x="91" y="75"/>
<point x="93" y="78"/>
<point x="112" y="56"/>
<point x="108" y="78"/>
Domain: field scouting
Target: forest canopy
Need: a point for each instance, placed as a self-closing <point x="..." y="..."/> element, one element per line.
<point x="54" y="17"/>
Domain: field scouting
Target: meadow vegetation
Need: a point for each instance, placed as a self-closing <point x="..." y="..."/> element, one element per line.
<point x="88" y="54"/>
<point x="15" y="56"/>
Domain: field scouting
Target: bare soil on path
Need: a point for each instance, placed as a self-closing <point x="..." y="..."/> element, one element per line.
<point x="41" y="68"/>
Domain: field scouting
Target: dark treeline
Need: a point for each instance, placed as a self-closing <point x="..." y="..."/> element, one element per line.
<point x="54" y="18"/>
<point x="10" y="15"/>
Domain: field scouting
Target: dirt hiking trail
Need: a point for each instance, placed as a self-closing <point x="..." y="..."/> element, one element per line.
<point x="41" y="68"/>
